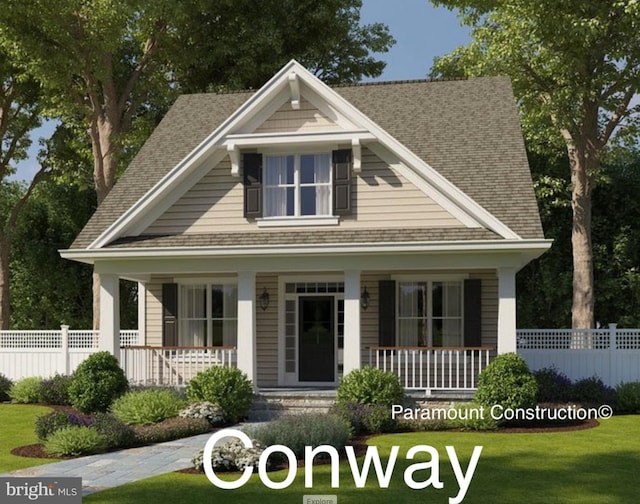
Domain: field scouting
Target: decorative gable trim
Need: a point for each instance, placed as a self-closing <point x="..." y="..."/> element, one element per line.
<point x="265" y="101"/>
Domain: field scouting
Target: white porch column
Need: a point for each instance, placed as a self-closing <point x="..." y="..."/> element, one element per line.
<point x="352" y="349"/>
<point x="110" y="314"/>
<point x="506" y="310"/>
<point x="247" y="324"/>
<point x="142" y="313"/>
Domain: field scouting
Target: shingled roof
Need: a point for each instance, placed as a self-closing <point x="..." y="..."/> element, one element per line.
<point x="468" y="130"/>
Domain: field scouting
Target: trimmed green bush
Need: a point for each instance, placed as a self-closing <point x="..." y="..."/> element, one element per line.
<point x="55" y="390"/>
<point x="229" y="388"/>
<point x="97" y="382"/>
<point x="5" y="386"/>
<point x="508" y="382"/>
<point x="628" y="397"/>
<point x="369" y="385"/>
<point x="26" y="390"/>
<point x="298" y="431"/>
<point x="144" y="407"/>
<point x="170" y="429"/>
<point x="73" y="441"/>
<point x="553" y="385"/>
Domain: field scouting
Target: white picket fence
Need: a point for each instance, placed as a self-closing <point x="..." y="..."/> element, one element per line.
<point x="612" y="354"/>
<point x="47" y="352"/>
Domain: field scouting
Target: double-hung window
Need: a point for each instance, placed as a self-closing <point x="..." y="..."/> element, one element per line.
<point x="430" y="313"/>
<point x="208" y="314"/>
<point x="298" y="185"/>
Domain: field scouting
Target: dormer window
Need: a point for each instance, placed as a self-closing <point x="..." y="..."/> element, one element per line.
<point x="297" y="188"/>
<point x="297" y="185"/>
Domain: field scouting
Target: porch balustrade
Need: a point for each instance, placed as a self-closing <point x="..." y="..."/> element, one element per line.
<point x="172" y="366"/>
<point x="433" y="368"/>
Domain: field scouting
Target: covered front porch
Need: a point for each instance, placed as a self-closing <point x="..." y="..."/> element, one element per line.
<point x="308" y="329"/>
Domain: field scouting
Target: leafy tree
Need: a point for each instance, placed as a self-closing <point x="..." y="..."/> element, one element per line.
<point x="19" y="110"/>
<point x="575" y="67"/>
<point x="240" y="44"/>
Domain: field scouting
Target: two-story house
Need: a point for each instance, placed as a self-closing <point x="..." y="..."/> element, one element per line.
<point x="312" y="230"/>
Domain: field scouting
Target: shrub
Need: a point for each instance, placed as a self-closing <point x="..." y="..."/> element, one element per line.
<point x="5" y="386"/>
<point x="369" y="385"/>
<point x="298" y="431"/>
<point x="507" y="381"/>
<point x="628" y="397"/>
<point x="553" y="385"/>
<point x="469" y="417"/>
<point x="73" y="441"/>
<point x="26" y="390"/>
<point x="144" y="407"/>
<point x="47" y="424"/>
<point x="209" y="411"/>
<point x="170" y="429"/>
<point x="593" y="391"/>
<point x="229" y="388"/>
<point x="98" y="380"/>
<point x="117" y="434"/>
<point x="55" y="390"/>
<point x="365" y="418"/>
<point x="231" y="456"/>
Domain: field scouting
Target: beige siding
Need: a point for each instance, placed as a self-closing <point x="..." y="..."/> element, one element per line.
<point x="306" y="119"/>
<point x="267" y="333"/>
<point x="154" y="310"/>
<point x="381" y="198"/>
<point x="489" y="307"/>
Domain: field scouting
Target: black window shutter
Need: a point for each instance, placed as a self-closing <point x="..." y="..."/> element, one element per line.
<point x="387" y="313"/>
<point x="472" y="313"/>
<point x="169" y="314"/>
<point x="252" y="174"/>
<point x="342" y="165"/>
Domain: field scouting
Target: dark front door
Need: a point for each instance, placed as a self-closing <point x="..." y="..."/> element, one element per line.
<point x="316" y="357"/>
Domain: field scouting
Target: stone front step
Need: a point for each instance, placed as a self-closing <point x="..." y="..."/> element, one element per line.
<point x="268" y="405"/>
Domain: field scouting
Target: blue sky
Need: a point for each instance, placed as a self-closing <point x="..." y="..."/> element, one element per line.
<point x="421" y="30"/>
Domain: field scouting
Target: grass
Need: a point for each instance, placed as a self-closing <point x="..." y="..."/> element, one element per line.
<point x="17" y="429"/>
<point x="595" y="466"/>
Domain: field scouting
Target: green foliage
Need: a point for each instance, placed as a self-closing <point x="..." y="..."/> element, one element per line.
<point x="172" y="428"/>
<point x="469" y="419"/>
<point x="628" y="397"/>
<point x="26" y="390"/>
<point x="55" y="390"/>
<point x="116" y="433"/>
<point x="553" y="386"/>
<point x="507" y="381"/>
<point x="97" y="382"/>
<point x="229" y="388"/>
<point x="369" y="385"/>
<point x="5" y="386"/>
<point x="365" y="418"/>
<point x="74" y="441"/>
<point x="298" y="431"/>
<point x="146" y="407"/>
<point x="593" y="391"/>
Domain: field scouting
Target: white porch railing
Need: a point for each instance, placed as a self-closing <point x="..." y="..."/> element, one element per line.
<point x="47" y="352"/>
<point x="173" y="366"/>
<point x="432" y="368"/>
<point x="612" y="354"/>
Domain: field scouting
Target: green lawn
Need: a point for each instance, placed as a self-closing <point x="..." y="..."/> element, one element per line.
<point x="596" y="466"/>
<point x="16" y="429"/>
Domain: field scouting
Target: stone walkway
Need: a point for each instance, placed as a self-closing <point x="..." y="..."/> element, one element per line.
<point x="112" y="469"/>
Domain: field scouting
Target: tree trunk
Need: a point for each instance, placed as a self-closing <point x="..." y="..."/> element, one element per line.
<point x="582" y="311"/>
<point x="105" y="163"/>
<point x="5" y="313"/>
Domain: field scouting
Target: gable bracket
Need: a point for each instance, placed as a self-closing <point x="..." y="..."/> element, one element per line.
<point x="294" y="86"/>
<point x="234" y="155"/>
<point x="357" y="155"/>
